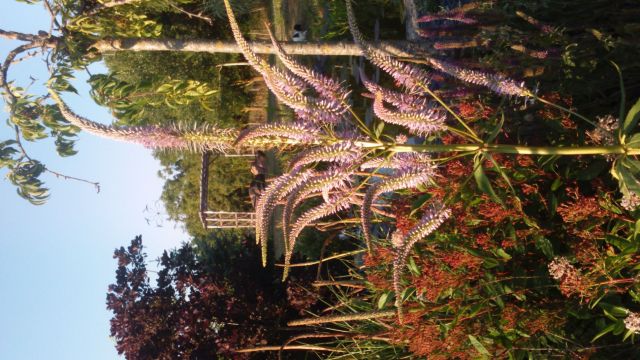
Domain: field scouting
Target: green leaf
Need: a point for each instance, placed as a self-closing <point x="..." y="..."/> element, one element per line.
<point x="383" y="300"/>
<point x="614" y="310"/>
<point x="503" y="254"/>
<point x="620" y="243"/>
<point x="379" y="128"/>
<point x="636" y="231"/>
<point x="625" y="176"/>
<point x="483" y="181"/>
<point x="478" y="345"/>
<point x="494" y="133"/>
<point x="632" y="118"/>
<point x="604" y="332"/>
<point x="635" y="140"/>
<point x="413" y="267"/>
<point x="623" y="99"/>
<point x="543" y="244"/>
<point x="593" y="170"/>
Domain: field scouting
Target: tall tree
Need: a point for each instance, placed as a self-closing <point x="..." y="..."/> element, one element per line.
<point x="81" y="33"/>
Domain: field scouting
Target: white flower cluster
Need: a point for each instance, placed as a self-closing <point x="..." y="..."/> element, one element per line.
<point x="560" y="267"/>
<point x="632" y="322"/>
<point x="630" y="201"/>
<point x="604" y="133"/>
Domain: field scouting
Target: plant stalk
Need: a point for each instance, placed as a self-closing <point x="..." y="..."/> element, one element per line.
<point x="508" y="149"/>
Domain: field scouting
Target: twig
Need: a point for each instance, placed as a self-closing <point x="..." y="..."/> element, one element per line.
<point x="309" y="263"/>
<point x="57" y="174"/>
<point x="341" y="318"/>
<point x="206" y="19"/>
<point x="325" y="336"/>
<point x="28" y="56"/>
<point x="53" y="15"/>
<point x="290" y="347"/>
<point x="4" y="69"/>
<point x="346" y="283"/>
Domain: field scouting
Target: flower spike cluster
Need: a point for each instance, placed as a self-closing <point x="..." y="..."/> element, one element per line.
<point x="288" y="87"/>
<point x="424" y="122"/>
<point x="267" y="202"/>
<point x="339" y="203"/>
<point x="408" y="75"/>
<point x="404" y="179"/>
<point x="324" y="85"/>
<point x="497" y="83"/>
<point x="431" y="220"/>
<point x="342" y="152"/>
<point x="301" y="133"/>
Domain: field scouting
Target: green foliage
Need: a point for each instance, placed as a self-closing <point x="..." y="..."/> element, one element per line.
<point x="216" y="7"/>
<point x="186" y="89"/>
<point x="228" y="187"/>
<point x="174" y="88"/>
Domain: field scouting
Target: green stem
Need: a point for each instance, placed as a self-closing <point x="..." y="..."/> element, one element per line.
<point x="471" y="134"/>
<point x="562" y="108"/>
<point x="507" y="149"/>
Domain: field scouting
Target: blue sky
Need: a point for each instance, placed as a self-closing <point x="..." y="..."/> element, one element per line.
<point x="56" y="259"/>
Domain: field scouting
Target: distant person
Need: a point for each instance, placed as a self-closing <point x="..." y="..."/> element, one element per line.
<point x="299" y="35"/>
<point x="255" y="189"/>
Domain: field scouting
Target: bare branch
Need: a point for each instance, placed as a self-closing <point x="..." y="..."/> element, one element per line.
<point x="4" y="69"/>
<point x="26" y="57"/>
<point x="14" y="35"/>
<point x="343" y="48"/>
<point x="206" y="19"/>
<point x="57" y="174"/>
<point x="53" y="14"/>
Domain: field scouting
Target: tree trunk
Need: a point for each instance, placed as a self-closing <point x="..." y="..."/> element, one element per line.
<point x="410" y="16"/>
<point x="394" y="48"/>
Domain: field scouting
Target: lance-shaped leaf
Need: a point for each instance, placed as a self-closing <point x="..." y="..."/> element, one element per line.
<point x="431" y="220"/>
<point x="406" y="179"/>
<point x="424" y="122"/>
<point x="339" y="203"/>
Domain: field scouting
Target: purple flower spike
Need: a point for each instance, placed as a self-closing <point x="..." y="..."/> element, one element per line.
<point x="425" y="122"/>
<point x="498" y="83"/>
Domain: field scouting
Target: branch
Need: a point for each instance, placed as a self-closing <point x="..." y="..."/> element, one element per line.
<point x="53" y="15"/>
<point x="57" y="174"/>
<point x="290" y="347"/>
<point x="109" y="5"/>
<point x="28" y="56"/>
<point x="206" y="19"/>
<point x="4" y="69"/>
<point x="34" y="41"/>
<point x="14" y="35"/>
<point x="342" y="48"/>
